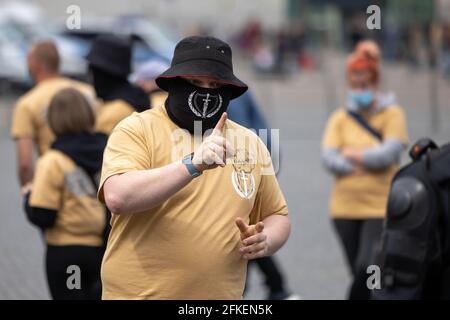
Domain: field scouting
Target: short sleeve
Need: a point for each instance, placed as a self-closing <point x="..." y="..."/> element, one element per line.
<point x="269" y="197"/>
<point x="127" y="150"/>
<point x="395" y="126"/>
<point x="48" y="181"/>
<point x="22" y="122"/>
<point x="331" y="136"/>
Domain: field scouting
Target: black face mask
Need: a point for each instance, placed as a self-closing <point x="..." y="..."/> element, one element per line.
<point x="187" y="103"/>
<point x="109" y="87"/>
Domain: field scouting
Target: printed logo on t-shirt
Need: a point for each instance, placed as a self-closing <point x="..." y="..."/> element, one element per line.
<point x="204" y="105"/>
<point x="242" y="177"/>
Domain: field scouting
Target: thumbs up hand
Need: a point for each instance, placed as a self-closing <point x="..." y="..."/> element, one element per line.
<point x="214" y="150"/>
<point x="253" y="239"/>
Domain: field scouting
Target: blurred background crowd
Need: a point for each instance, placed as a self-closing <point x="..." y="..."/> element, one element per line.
<point x="280" y="36"/>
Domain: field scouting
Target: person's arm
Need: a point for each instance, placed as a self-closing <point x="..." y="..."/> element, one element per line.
<point x="44" y="198"/>
<point x="265" y="238"/>
<point x="382" y="156"/>
<point x="332" y="144"/>
<point x="277" y="229"/>
<point x="335" y="163"/>
<point x="23" y="131"/>
<point x="376" y="158"/>
<point x="25" y="165"/>
<point x="136" y="191"/>
<point x="140" y="190"/>
<point x="389" y="151"/>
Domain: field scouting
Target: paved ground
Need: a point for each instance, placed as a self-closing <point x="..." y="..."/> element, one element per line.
<point x="299" y="106"/>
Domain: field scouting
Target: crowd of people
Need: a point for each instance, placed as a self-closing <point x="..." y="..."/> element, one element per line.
<point x="145" y="237"/>
<point x="157" y="189"/>
<point x="68" y="123"/>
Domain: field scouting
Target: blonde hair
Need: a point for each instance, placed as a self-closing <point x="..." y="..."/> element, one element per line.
<point x="69" y="112"/>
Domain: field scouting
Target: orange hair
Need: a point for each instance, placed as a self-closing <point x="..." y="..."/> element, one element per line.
<point x="370" y="49"/>
<point x="366" y="57"/>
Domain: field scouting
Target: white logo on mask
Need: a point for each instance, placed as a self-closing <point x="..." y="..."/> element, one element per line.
<point x="204" y="105"/>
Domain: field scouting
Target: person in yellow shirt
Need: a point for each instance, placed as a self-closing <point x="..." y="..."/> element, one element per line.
<point x="184" y="223"/>
<point x="109" y="66"/>
<point x="63" y="200"/>
<point x="29" y="128"/>
<point x="361" y="147"/>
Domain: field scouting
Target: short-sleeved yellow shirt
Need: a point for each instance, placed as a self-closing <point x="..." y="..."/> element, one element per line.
<point x="110" y="114"/>
<point x="187" y="247"/>
<point x="363" y="196"/>
<point x="62" y="186"/>
<point x="30" y="113"/>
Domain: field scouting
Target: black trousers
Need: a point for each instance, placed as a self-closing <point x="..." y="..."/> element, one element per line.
<point x="360" y="240"/>
<point x="60" y="275"/>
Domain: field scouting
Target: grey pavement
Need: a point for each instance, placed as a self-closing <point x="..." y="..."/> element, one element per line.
<point x="312" y="260"/>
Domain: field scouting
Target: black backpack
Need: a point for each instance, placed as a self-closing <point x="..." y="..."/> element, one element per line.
<point x="414" y="256"/>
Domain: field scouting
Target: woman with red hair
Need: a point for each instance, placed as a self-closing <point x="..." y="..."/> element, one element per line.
<point x="361" y="147"/>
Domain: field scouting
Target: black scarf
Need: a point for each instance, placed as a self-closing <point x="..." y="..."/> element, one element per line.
<point x="187" y="103"/>
<point x="109" y="87"/>
<point x="85" y="149"/>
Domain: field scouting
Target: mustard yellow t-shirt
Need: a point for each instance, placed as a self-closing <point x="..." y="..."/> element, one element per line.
<point x="30" y="113"/>
<point x="110" y="114"/>
<point x="363" y="196"/>
<point x="187" y="247"/>
<point x="62" y="186"/>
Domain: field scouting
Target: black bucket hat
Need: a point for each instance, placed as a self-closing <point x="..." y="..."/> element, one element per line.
<point x="111" y="54"/>
<point x="203" y="56"/>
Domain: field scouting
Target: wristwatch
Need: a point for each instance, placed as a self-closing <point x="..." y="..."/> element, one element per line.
<point x="187" y="161"/>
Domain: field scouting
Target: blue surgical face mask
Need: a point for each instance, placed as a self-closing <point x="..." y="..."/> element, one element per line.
<point x="361" y="99"/>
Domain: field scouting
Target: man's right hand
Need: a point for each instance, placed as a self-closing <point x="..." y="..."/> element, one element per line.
<point x="214" y="150"/>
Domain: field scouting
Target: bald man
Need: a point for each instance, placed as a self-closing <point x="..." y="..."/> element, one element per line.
<point x="29" y="124"/>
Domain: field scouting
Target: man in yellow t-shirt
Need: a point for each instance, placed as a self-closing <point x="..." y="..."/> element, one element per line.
<point x="185" y="223"/>
<point x="109" y="67"/>
<point x="29" y="124"/>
